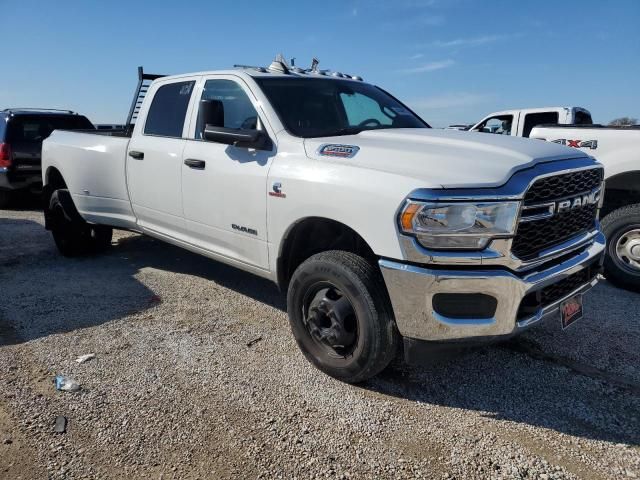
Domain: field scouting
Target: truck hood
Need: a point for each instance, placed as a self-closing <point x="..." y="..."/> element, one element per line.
<point x="443" y="158"/>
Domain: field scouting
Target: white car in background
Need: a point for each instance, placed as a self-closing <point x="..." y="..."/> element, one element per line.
<point x="519" y="123"/>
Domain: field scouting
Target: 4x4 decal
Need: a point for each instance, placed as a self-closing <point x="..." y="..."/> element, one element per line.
<point x="592" y="144"/>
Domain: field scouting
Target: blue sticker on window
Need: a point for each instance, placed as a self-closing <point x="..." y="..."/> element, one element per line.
<point x="400" y="110"/>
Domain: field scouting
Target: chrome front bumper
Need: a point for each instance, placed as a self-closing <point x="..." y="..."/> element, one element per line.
<point x="411" y="289"/>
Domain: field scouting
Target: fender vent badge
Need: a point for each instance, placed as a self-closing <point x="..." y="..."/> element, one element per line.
<point x="341" y="151"/>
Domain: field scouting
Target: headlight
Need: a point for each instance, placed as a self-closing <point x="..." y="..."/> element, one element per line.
<point x="459" y="225"/>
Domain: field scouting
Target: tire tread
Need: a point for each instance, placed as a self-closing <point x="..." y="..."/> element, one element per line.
<point x="374" y="291"/>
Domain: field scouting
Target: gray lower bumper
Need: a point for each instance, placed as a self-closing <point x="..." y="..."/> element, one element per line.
<point x="412" y="288"/>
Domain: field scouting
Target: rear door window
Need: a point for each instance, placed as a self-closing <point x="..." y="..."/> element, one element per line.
<point x="542" y="118"/>
<point x="168" y="110"/>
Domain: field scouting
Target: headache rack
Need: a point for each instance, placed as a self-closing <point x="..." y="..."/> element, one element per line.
<point x="144" y="81"/>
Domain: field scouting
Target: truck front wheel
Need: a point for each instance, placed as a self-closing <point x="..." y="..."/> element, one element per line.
<point x="341" y="316"/>
<point x="622" y="261"/>
<point x="74" y="236"/>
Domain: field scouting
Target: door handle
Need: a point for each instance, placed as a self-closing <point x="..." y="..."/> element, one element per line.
<point x="136" y="155"/>
<point x="193" y="163"/>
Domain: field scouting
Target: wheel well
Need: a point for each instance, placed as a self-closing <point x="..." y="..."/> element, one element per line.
<point x="314" y="235"/>
<point x="621" y="190"/>
<point x="53" y="181"/>
<point x="54" y="178"/>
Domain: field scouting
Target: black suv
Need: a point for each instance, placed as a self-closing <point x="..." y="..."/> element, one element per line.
<point x="22" y="131"/>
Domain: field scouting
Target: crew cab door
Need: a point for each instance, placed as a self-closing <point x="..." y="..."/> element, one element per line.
<point x="154" y="157"/>
<point x="224" y="187"/>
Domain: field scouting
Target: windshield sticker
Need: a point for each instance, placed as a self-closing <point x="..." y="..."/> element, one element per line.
<point x="342" y="151"/>
<point x="186" y="89"/>
<point x="400" y="110"/>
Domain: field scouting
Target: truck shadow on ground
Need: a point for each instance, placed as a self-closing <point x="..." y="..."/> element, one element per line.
<point x="516" y="389"/>
<point x="44" y="293"/>
<point x="88" y="291"/>
<point x="527" y="380"/>
<point x="47" y="294"/>
<point x="144" y="251"/>
<point x="583" y="382"/>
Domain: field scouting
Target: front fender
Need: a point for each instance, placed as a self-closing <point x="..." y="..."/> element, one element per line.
<point x="366" y="201"/>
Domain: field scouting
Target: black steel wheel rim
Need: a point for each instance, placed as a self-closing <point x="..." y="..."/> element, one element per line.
<point x="330" y="319"/>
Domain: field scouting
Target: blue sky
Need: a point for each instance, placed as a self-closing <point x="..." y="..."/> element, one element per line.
<point x="451" y="61"/>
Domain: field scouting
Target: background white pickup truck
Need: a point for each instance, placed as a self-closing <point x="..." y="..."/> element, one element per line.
<point x="383" y="232"/>
<point x="519" y="123"/>
<point x="618" y="149"/>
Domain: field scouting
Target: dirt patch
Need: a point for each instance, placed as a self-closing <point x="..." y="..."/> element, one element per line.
<point x="17" y="456"/>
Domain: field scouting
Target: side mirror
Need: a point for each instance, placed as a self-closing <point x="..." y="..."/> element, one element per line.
<point x="238" y="138"/>
<point x="211" y="112"/>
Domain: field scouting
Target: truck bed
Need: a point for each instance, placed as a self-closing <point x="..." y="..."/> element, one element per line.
<point x="94" y="168"/>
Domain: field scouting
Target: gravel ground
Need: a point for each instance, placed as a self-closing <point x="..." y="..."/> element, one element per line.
<point x="176" y="392"/>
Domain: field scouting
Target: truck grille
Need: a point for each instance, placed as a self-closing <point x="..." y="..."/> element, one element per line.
<point x="561" y="186"/>
<point x="532" y="237"/>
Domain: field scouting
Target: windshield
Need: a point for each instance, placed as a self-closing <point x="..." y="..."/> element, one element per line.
<point x="317" y="107"/>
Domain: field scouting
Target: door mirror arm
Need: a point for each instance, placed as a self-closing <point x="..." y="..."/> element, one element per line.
<point x="257" y="139"/>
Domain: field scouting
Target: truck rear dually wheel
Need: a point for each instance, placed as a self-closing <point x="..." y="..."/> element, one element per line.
<point x="622" y="261"/>
<point x="341" y="317"/>
<point x="75" y="237"/>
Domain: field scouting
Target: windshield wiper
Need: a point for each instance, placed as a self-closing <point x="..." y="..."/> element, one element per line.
<point x="344" y="131"/>
<point x="353" y="131"/>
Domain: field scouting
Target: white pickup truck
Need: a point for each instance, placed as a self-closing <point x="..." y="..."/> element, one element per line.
<point x="519" y="123"/>
<point x="618" y="149"/>
<point x="385" y="233"/>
